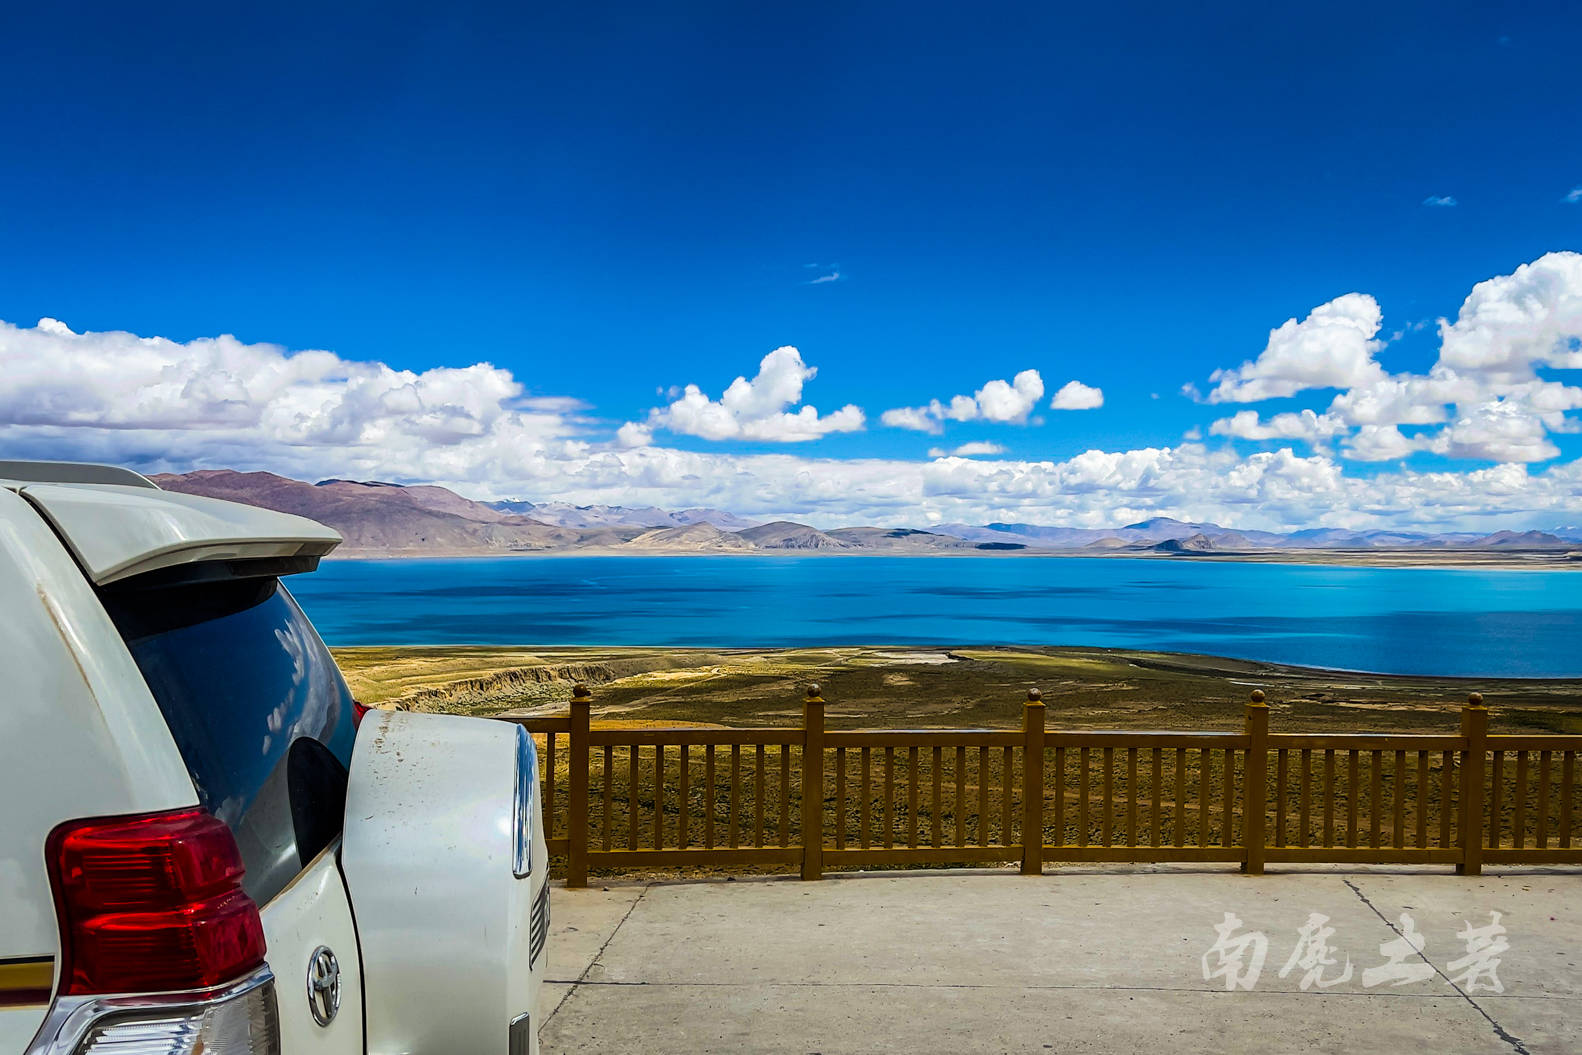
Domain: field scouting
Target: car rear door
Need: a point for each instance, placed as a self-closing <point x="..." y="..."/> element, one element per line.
<point x="265" y="725"/>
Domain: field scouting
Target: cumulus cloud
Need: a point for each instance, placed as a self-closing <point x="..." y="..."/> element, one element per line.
<point x="1501" y="430"/>
<point x="999" y="401"/>
<point x="966" y="450"/>
<point x="1484" y="399"/>
<point x="1268" y="489"/>
<point x="633" y="435"/>
<point x="1513" y="323"/>
<point x="168" y="403"/>
<point x="1332" y="348"/>
<point x="915" y="418"/>
<point x="1074" y="395"/>
<point x="1304" y="425"/>
<point x="159" y="405"/>
<point x="1381" y="443"/>
<point x="752" y="410"/>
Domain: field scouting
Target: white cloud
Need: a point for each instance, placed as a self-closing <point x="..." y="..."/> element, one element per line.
<point x="1304" y="425"/>
<point x="159" y="405"/>
<point x="833" y="276"/>
<point x="1403" y="400"/>
<point x="1500" y="430"/>
<point x="967" y="450"/>
<point x="999" y="401"/>
<point x="1381" y="443"/>
<point x="1074" y="395"/>
<point x="1332" y="348"/>
<point x="915" y="418"/>
<point x="1269" y="489"/>
<point x="53" y="377"/>
<point x="1440" y="201"/>
<point x="1483" y="400"/>
<point x="1513" y="323"/>
<point x="756" y="409"/>
<point x="1573" y="196"/>
<point x="633" y="435"/>
<point x="1411" y="327"/>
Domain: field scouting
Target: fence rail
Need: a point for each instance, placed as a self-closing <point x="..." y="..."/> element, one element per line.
<point x="619" y="799"/>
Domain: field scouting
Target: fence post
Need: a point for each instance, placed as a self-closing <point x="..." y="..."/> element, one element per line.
<point x="1474" y="734"/>
<point x="1033" y="784"/>
<point x="813" y="784"/>
<point x="1255" y="783"/>
<point x="577" y="812"/>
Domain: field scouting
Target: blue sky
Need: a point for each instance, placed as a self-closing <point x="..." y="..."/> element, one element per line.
<point x="609" y="203"/>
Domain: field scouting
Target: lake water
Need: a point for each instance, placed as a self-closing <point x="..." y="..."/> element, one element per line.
<point x="1389" y="620"/>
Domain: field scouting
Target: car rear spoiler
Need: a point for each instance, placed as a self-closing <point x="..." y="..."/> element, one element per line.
<point x="124" y="529"/>
<point x="71" y="473"/>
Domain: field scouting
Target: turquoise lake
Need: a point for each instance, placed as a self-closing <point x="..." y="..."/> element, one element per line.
<point x="1389" y="620"/>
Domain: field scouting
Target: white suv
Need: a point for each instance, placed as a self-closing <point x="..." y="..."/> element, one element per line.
<point x="205" y="844"/>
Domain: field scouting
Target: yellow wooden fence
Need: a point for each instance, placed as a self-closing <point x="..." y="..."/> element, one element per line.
<point x="632" y="799"/>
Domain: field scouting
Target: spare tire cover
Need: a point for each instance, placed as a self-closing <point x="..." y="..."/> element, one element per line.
<point x="430" y="858"/>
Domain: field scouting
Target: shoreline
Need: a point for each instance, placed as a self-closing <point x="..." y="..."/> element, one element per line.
<point x="1463" y="560"/>
<point x="1196" y="663"/>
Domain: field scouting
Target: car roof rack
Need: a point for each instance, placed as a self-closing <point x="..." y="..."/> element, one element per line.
<point x="72" y="473"/>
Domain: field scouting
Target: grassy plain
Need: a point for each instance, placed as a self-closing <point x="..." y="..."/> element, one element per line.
<point x="939" y="687"/>
<point x="752" y="796"/>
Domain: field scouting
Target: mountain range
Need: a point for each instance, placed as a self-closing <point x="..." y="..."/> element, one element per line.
<point x="386" y="519"/>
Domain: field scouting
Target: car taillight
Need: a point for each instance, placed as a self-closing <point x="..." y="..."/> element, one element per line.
<point x="151" y="903"/>
<point x="358" y="710"/>
<point x="242" y="1023"/>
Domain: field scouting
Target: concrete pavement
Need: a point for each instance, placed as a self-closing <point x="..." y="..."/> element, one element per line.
<point x="1079" y="960"/>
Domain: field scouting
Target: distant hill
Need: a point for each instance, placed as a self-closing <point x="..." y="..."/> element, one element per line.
<point x="898" y="540"/>
<point x="783" y="534"/>
<point x="1520" y="540"/>
<point x="387" y="519"/>
<point x="1199" y="543"/>
<point x="564" y="514"/>
<point x="695" y="537"/>
<point x="383" y="518"/>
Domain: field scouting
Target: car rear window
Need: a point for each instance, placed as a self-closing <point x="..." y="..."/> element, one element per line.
<point x="257" y="708"/>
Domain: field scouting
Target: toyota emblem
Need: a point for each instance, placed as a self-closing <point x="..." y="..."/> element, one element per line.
<point x="324" y="985"/>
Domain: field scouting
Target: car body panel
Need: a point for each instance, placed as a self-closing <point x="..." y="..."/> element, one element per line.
<point x="428" y="858"/>
<point x="95" y="742"/>
<point x="20" y="1020"/>
<point x="117" y="531"/>
<point x="432" y="812"/>
<point x="310" y="913"/>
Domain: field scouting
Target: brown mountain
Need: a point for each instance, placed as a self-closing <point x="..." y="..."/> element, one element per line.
<point x="692" y="537"/>
<point x="392" y="520"/>
<point x="898" y="540"/>
<point x="1198" y="543"/>
<point x="379" y="518"/>
<point x="783" y="534"/>
<point x="1520" y="540"/>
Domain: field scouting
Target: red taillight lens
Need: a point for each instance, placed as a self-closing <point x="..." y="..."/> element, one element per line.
<point x="152" y="903"/>
<point x="358" y="710"/>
